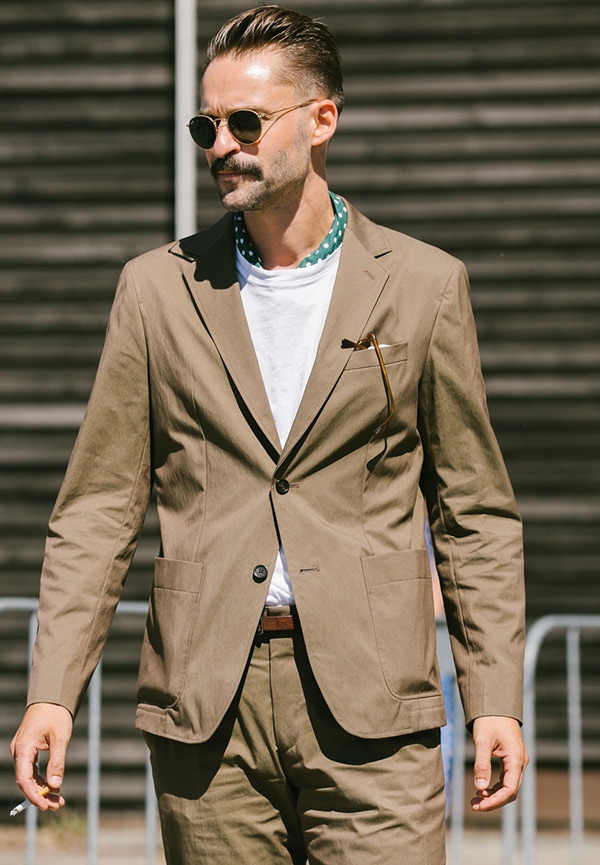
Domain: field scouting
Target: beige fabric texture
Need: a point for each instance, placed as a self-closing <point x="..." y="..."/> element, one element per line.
<point x="179" y="403"/>
<point x="280" y="782"/>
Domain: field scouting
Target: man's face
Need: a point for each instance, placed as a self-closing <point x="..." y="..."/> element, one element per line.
<point x="271" y="173"/>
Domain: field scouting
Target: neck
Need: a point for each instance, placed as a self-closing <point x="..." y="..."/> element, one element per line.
<point x="285" y="236"/>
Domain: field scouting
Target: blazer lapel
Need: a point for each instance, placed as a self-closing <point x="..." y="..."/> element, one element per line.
<point x="360" y="280"/>
<point x="211" y="277"/>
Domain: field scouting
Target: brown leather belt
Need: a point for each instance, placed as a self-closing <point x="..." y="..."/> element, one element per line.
<point x="273" y="623"/>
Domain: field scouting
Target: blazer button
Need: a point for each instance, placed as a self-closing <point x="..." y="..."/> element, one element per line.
<point x="282" y="486"/>
<point x="260" y="574"/>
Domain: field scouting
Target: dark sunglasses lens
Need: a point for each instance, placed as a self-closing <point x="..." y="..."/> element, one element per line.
<point x="202" y="130"/>
<point x="245" y="126"/>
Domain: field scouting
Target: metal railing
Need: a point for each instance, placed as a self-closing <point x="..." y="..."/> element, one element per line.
<point x="572" y="626"/>
<point x="525" y="807"/>
<point x="94" y="698"/>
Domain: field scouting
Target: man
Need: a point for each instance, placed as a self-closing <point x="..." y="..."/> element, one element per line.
<point x="300" y="385"/>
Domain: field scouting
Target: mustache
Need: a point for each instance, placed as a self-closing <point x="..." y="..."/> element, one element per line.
<point x="228" y="163"/>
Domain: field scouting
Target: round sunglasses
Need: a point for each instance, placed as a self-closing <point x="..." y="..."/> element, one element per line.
<point x="245" y="125"/>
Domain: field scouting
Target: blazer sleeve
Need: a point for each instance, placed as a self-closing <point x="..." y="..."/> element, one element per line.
<point x="98" y="516"/>
<point x="475" y="523"/>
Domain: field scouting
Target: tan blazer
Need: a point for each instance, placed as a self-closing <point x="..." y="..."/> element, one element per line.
<point x="179" y="402"/>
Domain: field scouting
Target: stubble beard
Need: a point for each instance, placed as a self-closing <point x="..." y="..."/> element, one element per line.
<point x="235" y="199"/>
<point x="256" y="191"/>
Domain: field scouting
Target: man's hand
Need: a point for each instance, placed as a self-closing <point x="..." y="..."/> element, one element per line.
<point x="497" y="737"/>
<point x="45" y="727"/>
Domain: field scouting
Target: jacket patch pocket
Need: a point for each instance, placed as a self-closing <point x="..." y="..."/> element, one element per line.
<point x="172" y="617"/>
<point x="401" y="602"/>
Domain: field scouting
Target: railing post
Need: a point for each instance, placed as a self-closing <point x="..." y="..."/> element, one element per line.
<point x="535" y="638"/>
<point x="528" y="791"/>
<point x="458" y="782"/>
<point x="93" y="769"/>
<point x="31" y="815"/>
<point x="575" y="746"/>
<point x="509" y="819"/>
<point x="151" y="816"/>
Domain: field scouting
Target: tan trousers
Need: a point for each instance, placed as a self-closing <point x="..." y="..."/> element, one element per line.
<point x="281" y="782"/>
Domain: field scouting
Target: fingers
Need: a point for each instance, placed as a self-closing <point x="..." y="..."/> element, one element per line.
<point x="45" y="727"/>
<point x="497" y="737"/>
<point x="55" y="770"/>
<point x="482" y="768"/>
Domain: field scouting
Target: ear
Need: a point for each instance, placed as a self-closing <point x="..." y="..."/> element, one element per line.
<point x="325" y="117"/>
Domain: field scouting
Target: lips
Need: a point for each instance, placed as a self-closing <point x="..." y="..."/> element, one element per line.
<point x="229" y="175"/>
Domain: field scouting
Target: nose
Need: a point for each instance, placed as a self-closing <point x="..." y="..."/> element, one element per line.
<point x="225" y="143"/>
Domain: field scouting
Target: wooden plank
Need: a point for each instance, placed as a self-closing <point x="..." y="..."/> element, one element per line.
<point x="84" y="13"/>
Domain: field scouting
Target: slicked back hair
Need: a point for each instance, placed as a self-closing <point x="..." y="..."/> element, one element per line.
<point x="309" y="52"/>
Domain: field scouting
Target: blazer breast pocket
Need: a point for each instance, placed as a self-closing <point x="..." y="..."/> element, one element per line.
<point x="367" y="357"/>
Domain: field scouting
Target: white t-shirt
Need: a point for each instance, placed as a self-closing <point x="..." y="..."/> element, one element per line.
<point x="286" y="311"/>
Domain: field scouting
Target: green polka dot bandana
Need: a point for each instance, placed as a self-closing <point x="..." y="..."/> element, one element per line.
<point x="329" y="244"/>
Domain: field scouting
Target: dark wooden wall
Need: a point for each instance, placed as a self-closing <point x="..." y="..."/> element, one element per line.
<point x="472" y="124"/>
<point x="86" y="97"/>
<point x="86" y="182"/>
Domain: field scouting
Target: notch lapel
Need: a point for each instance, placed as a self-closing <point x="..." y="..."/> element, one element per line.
<point x="211" y="277"/>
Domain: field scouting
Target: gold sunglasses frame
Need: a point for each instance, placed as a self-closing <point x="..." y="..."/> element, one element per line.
<point x="216" y="121"/>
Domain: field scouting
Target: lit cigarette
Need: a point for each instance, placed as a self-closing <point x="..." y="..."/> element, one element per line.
<point x="26" y="803"/>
